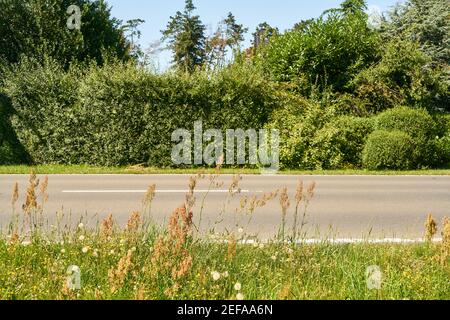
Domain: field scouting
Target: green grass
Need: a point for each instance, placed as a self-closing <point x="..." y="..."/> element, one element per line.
<point x="83" y="169"/>
<point x="142" y="261"/>
<point x="38" y="270"/>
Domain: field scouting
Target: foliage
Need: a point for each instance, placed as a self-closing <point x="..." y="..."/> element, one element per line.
<point x="11" y="152"/>
<point x="329" y="52"/>
<point x="122" y="115"/>
<point x="393" y="150"/>
<point x="424" y="21"/>
<point x="416" y="122"/>
<point x="420" y="126"/>
<point x="37" y="28"/>
<point x="339" y="144"/>
<point x="403" y="76"/>
<point x="186" y="36"/>
<point x="298" y="122"/>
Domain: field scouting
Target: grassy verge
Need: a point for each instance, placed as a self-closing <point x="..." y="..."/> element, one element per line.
<point x="82" y="169"/>
<point x="126" y="267"/>
<point x="141" y="261"/>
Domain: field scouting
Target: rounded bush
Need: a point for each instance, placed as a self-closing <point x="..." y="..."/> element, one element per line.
<point x="339" y="144"/>
<point x="393" y="150"/>
<point x="418" y="123"/>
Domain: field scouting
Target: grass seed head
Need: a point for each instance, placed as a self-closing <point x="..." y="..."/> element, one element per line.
<point x="430" y="228"/>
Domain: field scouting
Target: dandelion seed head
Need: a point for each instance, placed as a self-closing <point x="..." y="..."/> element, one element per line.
<point x="215" y="275"/>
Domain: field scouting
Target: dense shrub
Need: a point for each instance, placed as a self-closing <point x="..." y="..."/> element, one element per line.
<point x="298" y="125"/>
<point x="420" y="125"/>
<point x="339" y="144"/>
<point x="11" y="151"/>
<point x="392" y="150"/>
<point x="122" y="114"/>
<point x="327" y="52"/>
<point x="443" y="139"/>
<point x="403" y="76"/>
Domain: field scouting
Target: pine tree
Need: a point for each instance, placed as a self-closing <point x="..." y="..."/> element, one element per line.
<point x="185" y="34"/>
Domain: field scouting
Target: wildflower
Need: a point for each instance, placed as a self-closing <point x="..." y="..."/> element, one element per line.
<point x="240" y="296"/>
<point x="237" y="287"/>
<point x="81" y="238"/>
<point x="226" y="274"/>
<point x="63" y="251"/>
<point x="274" y="258"/>
<point x="81" y="226"/>
<point x="133" y="249"/>
<point x="26" y="243"/>
<point x="122" y="242"/>
<point x="215" y="275"/>
<point x="95" y="254"/>
<point x="112" y="252"/>
<point x="85" y="250"/>
<point x="261" y="246"/>
<point x="107" y="227"/>
<point x="117" y="275"/>
<point x="134" y="222"/>
<point x="240" y="230"/>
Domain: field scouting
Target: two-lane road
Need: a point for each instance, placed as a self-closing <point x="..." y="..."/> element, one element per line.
<point x="343" y="207"/>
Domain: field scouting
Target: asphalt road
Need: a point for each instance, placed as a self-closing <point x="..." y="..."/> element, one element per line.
<point x="344" y="206"/>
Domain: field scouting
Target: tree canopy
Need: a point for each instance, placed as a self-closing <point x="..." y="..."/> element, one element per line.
<point x="38" y="28"/>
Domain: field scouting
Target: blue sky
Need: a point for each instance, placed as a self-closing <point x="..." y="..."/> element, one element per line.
<point x="282" y="14"/>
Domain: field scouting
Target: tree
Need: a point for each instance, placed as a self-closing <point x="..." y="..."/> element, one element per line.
<point x="185" y="34"/>
<point x="229" y="34"/>
<point x="132" y="28"/>
<point x="263" y="33"/>
<point x="424" y="21"/>
<point x="353" y="6"/>
<point x="235" y="32"/>
<point x="325" y="53"/>
<point x="38" y="28"/>
<point x="349" y="7"/>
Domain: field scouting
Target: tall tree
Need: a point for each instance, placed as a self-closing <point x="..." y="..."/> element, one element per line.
<point x="353" y="6"/>
<point x="229" y="35"/>
<point x="39" y="28"/>
<point x="185" y="34"/>
<point x="263" y="33"/>
<point x="424" y="21"/>
<point x="235" y="32"/>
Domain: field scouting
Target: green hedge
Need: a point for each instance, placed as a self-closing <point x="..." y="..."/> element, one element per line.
<point x="418" y="123"/>
<point x="420" y="126"/>
<point x="11" y="151"/>
<point x="339" y="144"/>
<point x="393" y="150"/>
<point x="123" y="115"/>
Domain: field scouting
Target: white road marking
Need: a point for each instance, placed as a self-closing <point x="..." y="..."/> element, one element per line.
<point x="157" y="191"/>
<point x="344" y="241"/>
